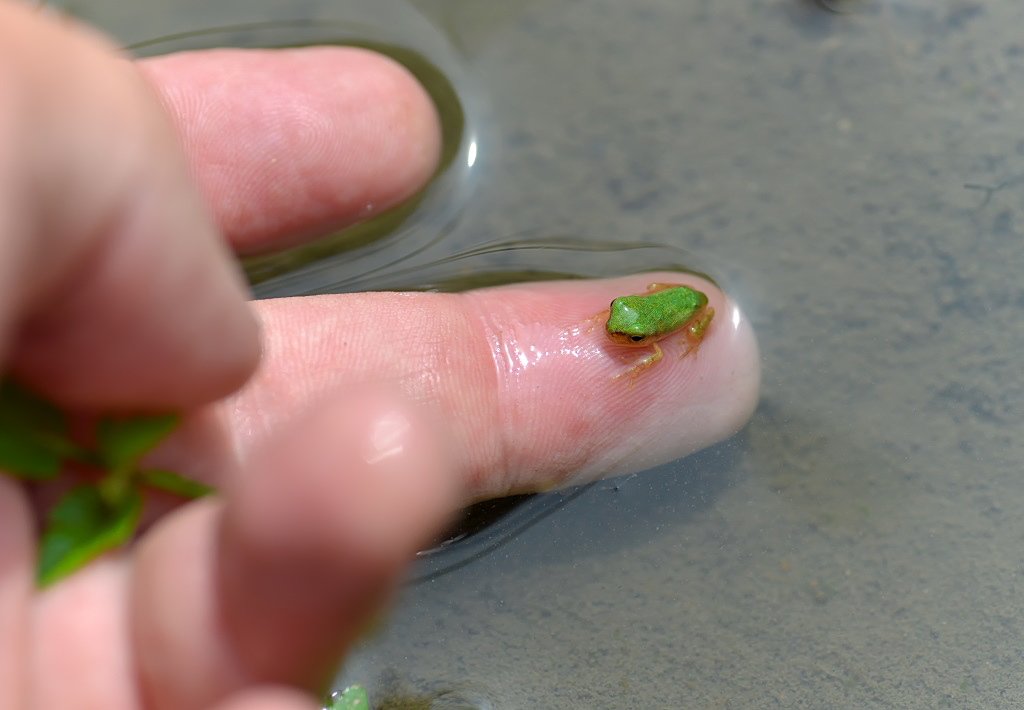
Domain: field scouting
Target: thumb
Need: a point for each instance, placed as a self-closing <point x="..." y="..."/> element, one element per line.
<point x="275" y="582"/>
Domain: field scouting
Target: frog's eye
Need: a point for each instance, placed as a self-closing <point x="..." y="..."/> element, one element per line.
<point x="636" y="338"/>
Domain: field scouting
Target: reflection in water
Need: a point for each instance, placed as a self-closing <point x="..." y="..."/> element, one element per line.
<point x="485" y="528"/>
<point x="509" y="261"/>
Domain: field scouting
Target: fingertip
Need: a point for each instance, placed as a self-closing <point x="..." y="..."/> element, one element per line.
<point x="581" y="413"/>
<point x="291" y="143"/>
<point x="740" y="387"/>
<point x="693" y="402"/>
<point x="124" y="293"/>
<point x="405" y="125"/>
<point x="174" y="339"/>
<point x="700" y="399"/>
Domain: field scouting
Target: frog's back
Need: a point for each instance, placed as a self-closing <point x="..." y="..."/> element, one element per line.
<point x="655" y="314"/>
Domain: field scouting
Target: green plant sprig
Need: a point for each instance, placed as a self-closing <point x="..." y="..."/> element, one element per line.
<point x="91" y="518"/>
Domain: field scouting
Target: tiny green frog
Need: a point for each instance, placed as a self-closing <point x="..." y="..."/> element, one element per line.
<point x="664" y="310"/>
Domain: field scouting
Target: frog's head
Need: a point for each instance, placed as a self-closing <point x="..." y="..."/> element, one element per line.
<point x="626" y="323"/>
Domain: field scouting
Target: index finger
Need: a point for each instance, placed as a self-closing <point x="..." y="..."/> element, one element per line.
<point x="526" y="389"/>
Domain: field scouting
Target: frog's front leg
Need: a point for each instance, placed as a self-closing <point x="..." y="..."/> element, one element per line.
<point x="642" y="364"/>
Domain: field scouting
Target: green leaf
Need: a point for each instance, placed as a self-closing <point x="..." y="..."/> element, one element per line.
<point x="34" y="440"/>
<point x="23" y="455"/>
<point x="175" y="483"/>
<point x="353" y="697"/>
<point x="82" y="526"/>
<point x="123" y="440"/>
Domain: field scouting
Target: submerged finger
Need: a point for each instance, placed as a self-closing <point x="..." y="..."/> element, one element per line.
<point x="288" y="144"/>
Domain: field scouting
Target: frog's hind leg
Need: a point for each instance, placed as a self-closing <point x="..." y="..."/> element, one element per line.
<point x="693" y="334"/>
<point x="660" y="286"/>
<point x="643" y="363"/>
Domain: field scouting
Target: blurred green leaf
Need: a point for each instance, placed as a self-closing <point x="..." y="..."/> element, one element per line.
<point x="123" y="440"/>
<point x="175" y="483"/>
<point x="82" y="526"/>
<point x="23" y="455"/>
<point x="353" y="697"/>
<point x="17" y="404"/>
<point x="34" y="440"/>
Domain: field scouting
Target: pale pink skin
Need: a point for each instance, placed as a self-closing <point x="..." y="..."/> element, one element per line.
<point x="371" y="417"/>
<point x="526" y="380"/>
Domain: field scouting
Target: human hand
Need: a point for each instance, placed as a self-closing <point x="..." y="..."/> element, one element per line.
<point x="371" y="417"/>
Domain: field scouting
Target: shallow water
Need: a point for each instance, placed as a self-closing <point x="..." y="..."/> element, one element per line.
<point x="859" y="544"/>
